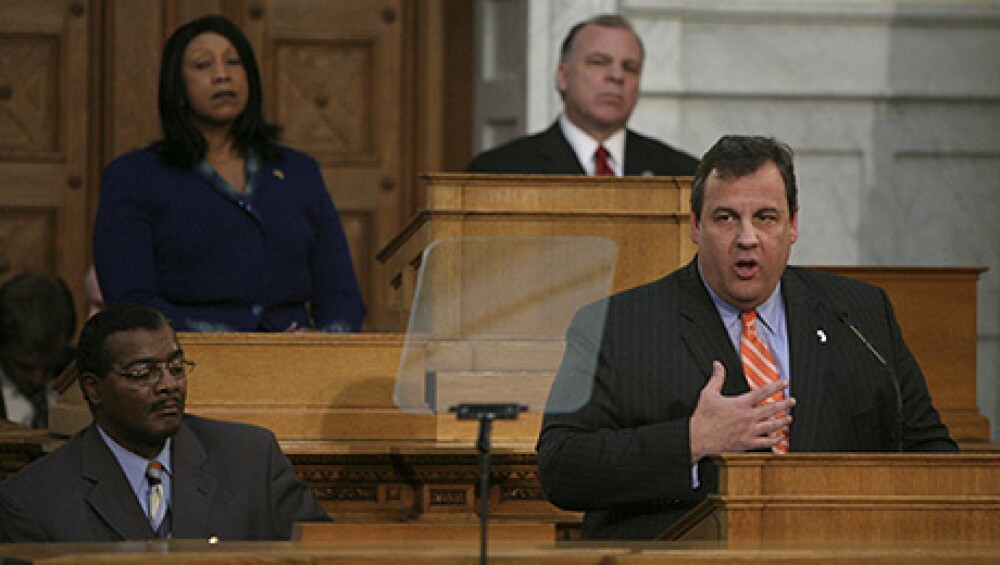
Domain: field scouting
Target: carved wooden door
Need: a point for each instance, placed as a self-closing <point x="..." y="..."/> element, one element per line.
<point x="43" y="138"/>
<point x="332" y="73"/>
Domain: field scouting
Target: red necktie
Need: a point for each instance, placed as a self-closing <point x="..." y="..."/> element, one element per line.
<point x="603" y="169"/>
<point x="759" y="367"/>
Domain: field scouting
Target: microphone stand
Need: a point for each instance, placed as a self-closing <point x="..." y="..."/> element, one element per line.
<point x="899" y="419"/>
<point x="485" y="413"/>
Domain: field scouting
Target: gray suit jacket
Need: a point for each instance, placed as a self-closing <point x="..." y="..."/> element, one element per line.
<point x="549" y="153"/>
<point x="229" y="480"/>
<point x="625" y="456"/>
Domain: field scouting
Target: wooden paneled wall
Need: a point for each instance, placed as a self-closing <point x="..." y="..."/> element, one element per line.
<point x="377" y="91"/>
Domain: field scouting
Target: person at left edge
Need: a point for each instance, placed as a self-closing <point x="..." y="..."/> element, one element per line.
<point x="37" y="323"/>
<point x="221" y="479"/>
<point x="216" y="225"/>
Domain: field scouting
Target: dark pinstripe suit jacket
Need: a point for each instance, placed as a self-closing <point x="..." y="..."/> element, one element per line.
<point x="625" y="457"/>
<point x="549" y="153"/>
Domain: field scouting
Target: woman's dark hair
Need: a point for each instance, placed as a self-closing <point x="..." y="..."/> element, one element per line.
<point x="182" y="145"/>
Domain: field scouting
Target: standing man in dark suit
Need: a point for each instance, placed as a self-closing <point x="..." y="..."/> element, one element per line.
<point x="600" y="67"/>
<point x="670" y="388"/>
<point x="211" y="479"/>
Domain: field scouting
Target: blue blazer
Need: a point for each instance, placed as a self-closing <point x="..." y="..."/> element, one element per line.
<point x="229" y="480"/>
<point x="166" y="238"/>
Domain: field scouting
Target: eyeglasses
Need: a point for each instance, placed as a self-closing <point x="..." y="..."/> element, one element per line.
<point x="149" y="374"/>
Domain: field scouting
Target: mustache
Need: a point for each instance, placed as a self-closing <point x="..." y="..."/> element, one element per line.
<point x="166" y="401"/>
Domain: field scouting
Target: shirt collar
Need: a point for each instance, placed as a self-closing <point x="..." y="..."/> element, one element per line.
<point x="134" y="465"/>
<point x="769" y="312"/>
<point x="17" y="406"/>
<point x="584" y="146"/>
<point x="253" y="164"/>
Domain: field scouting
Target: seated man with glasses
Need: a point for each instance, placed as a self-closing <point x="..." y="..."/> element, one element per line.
<point x="144" y="469"/>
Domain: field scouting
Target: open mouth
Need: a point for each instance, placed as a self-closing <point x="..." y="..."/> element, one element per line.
<point x="746" y="269"/>
<point x="223" y="95"/>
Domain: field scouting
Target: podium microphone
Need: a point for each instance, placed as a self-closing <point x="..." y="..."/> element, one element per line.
<point x="842" y="316"/>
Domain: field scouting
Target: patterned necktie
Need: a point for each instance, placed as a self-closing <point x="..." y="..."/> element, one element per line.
<point x="154" y="474"/>
<point x="603" y="169"/>
<point x="759" y="367"/>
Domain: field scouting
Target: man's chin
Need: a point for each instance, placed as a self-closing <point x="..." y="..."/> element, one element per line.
<point x="747" y="293"/>
<point x="167" y="425"/>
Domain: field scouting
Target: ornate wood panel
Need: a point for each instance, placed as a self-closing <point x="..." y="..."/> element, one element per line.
<point x="43" y="137"/>
<point x="426" y="483"/>
<point x="332" y="73"/>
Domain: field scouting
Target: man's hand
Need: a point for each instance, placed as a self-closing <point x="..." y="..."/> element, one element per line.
<point x="737" y="423"/>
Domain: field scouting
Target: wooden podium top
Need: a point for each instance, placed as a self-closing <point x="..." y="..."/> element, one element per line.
<point x="555" y="195"/>
<point x="849" y="496"/>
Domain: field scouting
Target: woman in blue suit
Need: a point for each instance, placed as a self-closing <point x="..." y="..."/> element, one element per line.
<point x="217" y="225"/>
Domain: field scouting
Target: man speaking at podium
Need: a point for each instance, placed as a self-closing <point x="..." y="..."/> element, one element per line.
<point x="735" y="351"/>
<point x="600" y="65"/>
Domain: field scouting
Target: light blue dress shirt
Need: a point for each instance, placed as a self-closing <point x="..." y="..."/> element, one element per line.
<point x="134" y="467"/>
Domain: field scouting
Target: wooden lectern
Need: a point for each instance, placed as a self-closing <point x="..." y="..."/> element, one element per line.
<point x="646" y="217"/>
<point x="849" y="497"/>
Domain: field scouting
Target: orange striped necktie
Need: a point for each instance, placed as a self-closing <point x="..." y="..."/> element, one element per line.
<point x="759" y="367"/>
<point x="603" y="169"/>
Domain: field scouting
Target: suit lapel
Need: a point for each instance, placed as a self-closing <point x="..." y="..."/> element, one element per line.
<point x="807" y="320"/>
<point x="111" y="497"/>
<point x="703" y="333"/>
<point x="555" y="150"/>
<point x="193" y="485"/>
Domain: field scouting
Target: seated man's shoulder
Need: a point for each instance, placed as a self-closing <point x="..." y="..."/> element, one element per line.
<point x="50" y="469"/>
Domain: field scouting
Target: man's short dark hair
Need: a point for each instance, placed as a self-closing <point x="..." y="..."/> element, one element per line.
<point x="36" y="312"/>
<point x="734" y="156"/>
<point x="615" y="21"/>
<point x="92" y="355"/>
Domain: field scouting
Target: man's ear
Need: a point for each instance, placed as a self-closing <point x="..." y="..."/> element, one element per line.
<point x="561" y="80"/>
<point x="694" y="227"/>
<point x="91" y="390"/>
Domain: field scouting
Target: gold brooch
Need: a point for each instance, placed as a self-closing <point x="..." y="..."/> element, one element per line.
<point x="279" y="174"/>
